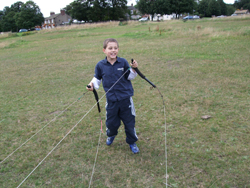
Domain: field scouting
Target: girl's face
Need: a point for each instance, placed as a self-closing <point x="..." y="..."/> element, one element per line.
<point x="111" y="51"/>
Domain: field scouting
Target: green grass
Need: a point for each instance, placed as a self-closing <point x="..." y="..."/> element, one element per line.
<point x="201" y="67"/>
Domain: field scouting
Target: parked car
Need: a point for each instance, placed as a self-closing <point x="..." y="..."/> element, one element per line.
<point x="23" y="30"/>
<point x="234" y="15"/>
<point x="144" y="19"/>
<point x="221" y="16"/>
<point x="31" y="29"/>
<point x="188" y="18"/>
<point x="196" y="17"/>
<point x="156" y="19"/>
<point x="76" y="22"/>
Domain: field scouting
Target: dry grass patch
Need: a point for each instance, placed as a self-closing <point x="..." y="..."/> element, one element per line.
<point x="81" y="26"/>
<point x="4" y="44"/>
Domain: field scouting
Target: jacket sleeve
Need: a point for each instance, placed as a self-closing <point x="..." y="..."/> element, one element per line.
<point x="96" y="83"/>
<point x="97" y="77"/>
<point x="132" y="74"/>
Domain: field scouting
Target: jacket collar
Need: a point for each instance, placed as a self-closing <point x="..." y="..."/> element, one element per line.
<point x="117" y="60"/>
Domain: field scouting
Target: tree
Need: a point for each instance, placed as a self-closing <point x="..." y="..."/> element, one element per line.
<point x="145" y="6"/>
<point x="1" y="18"/>
<point x="148" y="6"/>
<point x="117" y="9"/>
<point x="196" y="7"/>
<point x="246" y="6"/>
<point x="163" y="7"/>
<point x="182" y="6"/>
<point x="8" y="22"/>
<point x="99" y="11"/>
<point x="16" y="7"/>
<point x="154" y="7"/>
<point x="203" y="7"/>
<point x="20" y="15"/>
<point x="29" y="16"/>
<point x="242" y="4"/>
<point x="213" y="8"/>
<point x="223" y="7"/>
<point x="79" y="9"/>
<point x="230" y="9"/>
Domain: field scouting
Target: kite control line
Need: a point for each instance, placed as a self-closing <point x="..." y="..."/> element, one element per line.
<point x="99" y="110"/>
<point x="164" y="109"/>
<point x="141" y="75"/>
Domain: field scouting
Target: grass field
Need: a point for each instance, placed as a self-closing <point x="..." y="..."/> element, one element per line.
<point x="201" y="67"/>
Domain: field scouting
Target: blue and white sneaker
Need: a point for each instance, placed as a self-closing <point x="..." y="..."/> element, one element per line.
<point x="134" y="148"/>
<point x="110" y="140"/>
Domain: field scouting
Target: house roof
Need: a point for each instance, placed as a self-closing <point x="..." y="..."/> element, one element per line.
<point x="52" y="16"/>
<point x="131" y="8"/>
<point x="241" y="12"/>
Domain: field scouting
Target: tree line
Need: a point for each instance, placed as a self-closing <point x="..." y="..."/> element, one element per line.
<point x="27" y="15"/>
<point x="245" y="4"/>
<point x="103" y="10"/>
<point x="203" y="8"/>
<point x="209" y="8"/>
<point x="97" y="10"/>
<point x="20" y="15"/>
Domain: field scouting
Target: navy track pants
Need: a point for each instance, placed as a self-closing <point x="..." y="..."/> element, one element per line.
<point x="124" y="111"/>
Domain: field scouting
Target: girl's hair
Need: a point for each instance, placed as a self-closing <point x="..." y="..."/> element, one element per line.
<point x="105" y="43"/>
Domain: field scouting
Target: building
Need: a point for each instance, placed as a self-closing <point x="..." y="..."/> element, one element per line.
<point x="241" y="12"/>
<point x="159" y="17"/>
<point x="56" y="19"/>
<point x="133" y="12"/>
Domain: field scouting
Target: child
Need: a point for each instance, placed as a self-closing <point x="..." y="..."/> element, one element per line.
<point x="115" y="75"/>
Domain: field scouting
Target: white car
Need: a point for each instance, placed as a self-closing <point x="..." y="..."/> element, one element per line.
<point x="221" y="16"/>
<point x="196" y="17"/>
<point x="76" y="21"/>
<point x="144" y="19"/>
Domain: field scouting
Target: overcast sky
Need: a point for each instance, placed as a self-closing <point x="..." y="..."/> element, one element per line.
<point x="55" y="5"/>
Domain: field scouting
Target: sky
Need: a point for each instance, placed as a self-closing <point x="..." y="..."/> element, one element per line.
<point x="56" y="5"/>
